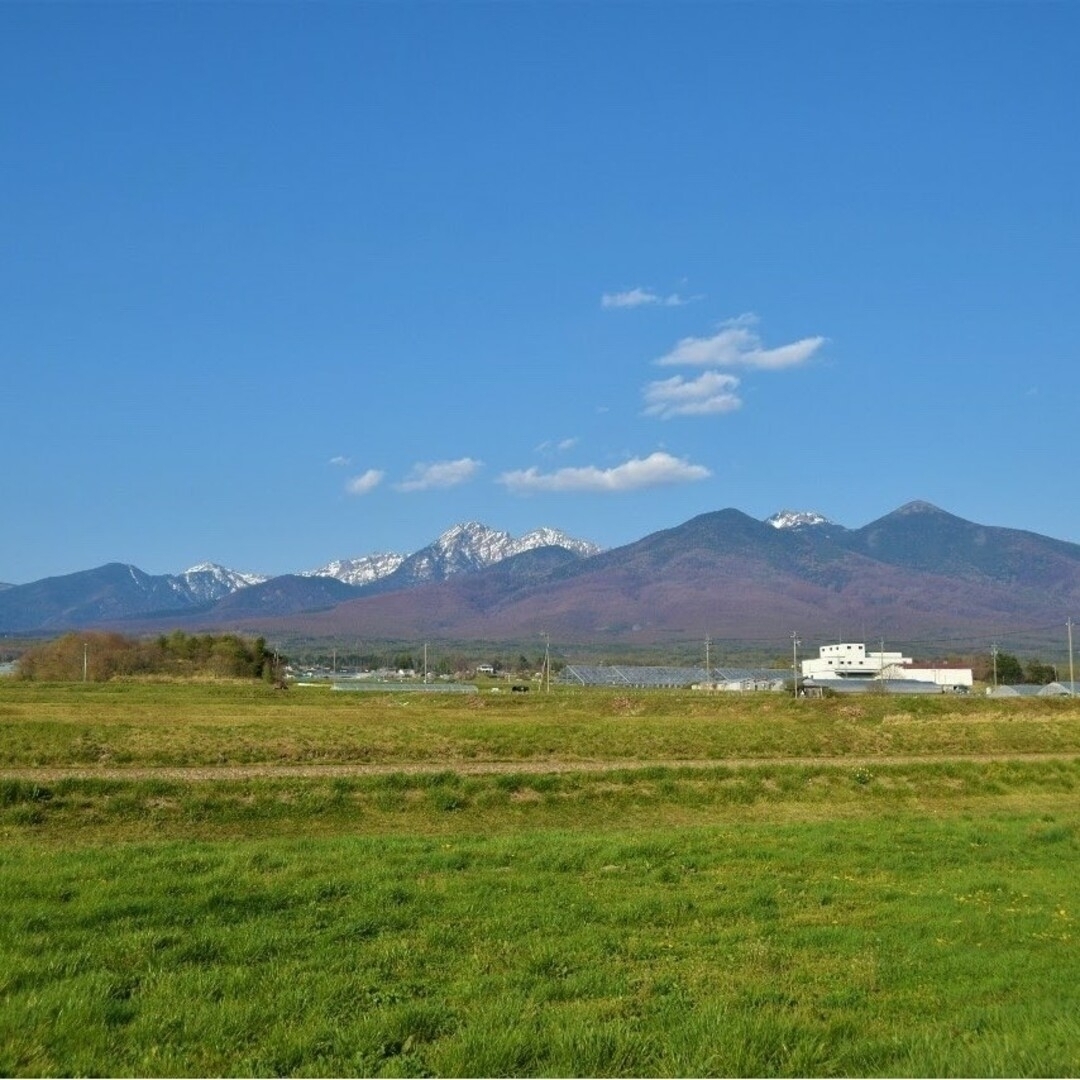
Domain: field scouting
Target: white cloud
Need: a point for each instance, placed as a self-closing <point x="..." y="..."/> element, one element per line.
<point x="440" y="474"/>
<point x="641" y="297"/>
<point x="738" y="345"/>
<point x="365" y="482"/>
<point x="340" y="461"/>
<point x="653" y="471"/>
<point x="711" y="393"/>
<point x="557" y="446"/>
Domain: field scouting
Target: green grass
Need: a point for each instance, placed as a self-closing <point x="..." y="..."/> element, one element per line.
<point x="899" y="947"/>
<point x="173" y="725"/>
<point x="882" y="887"/>
<point x="80" y="810"/>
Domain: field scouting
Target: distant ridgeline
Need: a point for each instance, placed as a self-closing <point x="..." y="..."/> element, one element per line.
<point x="97" y="656"/>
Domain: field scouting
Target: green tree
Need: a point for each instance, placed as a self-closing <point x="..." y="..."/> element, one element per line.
<point x="1038" y="673"/>
<point x="1009" y="669"/>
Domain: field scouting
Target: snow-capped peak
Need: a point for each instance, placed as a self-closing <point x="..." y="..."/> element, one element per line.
<point x="237" y="578"/>
<point x="796" y="519"/>
<point x="461" y="548"/>
<point x="474" y="538"/>
<point x="547" y="537"/>
<point x="209" y="581"/>
<point x="359" y="571"/>
<point x="476" y="544"/>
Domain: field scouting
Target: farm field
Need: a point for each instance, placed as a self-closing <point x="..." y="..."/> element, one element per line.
<point x="222" y="879"/>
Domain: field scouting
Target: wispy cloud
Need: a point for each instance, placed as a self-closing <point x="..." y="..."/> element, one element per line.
<point x="710" y="393"/>
<point x="340" y="461"/>
<point x="641" y="297"/>
<point x="439" y="474"/>
<point x="656" y="470"/>
<point x="737" y="344"/>
<point x="365" y="482"/>
<point x="557" y="446"/>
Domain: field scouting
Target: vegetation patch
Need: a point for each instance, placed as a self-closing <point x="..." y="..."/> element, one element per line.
<point x="131" y="723"/>
<point x="871" y="947"/>
<point x="94" y="656"/>
<point x="694" y="887"/>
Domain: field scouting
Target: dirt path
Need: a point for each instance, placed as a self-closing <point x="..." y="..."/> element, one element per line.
<point x="51" y="774"/>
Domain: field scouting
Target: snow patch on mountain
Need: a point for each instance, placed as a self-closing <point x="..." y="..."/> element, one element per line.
<point x="208" y="581"/>
<point x="797" y="519"/>
<point x="546" y="537"/>
<point x="461" y="549"/>
<point x="360" y="571"/>
<point x="472" y="546"/>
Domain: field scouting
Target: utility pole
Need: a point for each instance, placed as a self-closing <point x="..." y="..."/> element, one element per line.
<point x="994" y="654"/>
<point x="425" y="662"/>
<point x="85" y="648"/>
<point x="1072" y="679"/>
<point x="547" y="663"/>
<point x="795" y="643"/>
<point x="708" y="665"/>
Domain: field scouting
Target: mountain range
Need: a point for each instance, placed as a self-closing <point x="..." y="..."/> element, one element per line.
<point x="919" y="574"/>
<point x="118" y="592"/>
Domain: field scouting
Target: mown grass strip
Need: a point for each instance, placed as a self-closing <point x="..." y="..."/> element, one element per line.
<point x="79" y="810"/>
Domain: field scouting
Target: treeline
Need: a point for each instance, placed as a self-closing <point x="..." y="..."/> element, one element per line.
<point x="97" y="657"/>
<point x="1010" y="670"/>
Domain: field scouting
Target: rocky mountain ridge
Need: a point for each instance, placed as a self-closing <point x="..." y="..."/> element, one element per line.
<point x="460" y="549"/>
<point x="120" y="591"/>
<point x="797" y="519"/>
<point x="208" y="582"/>
<point x="359" y="571"/>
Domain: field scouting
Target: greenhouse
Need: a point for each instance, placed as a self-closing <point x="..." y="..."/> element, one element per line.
<point x="643" y="677"/>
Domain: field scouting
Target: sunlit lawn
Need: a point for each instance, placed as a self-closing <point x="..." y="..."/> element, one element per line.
<point x="812" y="917"/>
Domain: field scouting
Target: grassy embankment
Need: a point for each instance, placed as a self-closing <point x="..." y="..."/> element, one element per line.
<point x="897" y="898"/>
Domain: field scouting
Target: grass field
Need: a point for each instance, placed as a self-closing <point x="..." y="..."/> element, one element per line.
<point x="219" y="879"/>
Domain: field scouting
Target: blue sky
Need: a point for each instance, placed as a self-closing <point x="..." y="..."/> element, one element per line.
<point x="283" y="283"/>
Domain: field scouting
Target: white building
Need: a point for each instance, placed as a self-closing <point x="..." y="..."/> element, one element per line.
<point x="852" y="661"/>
